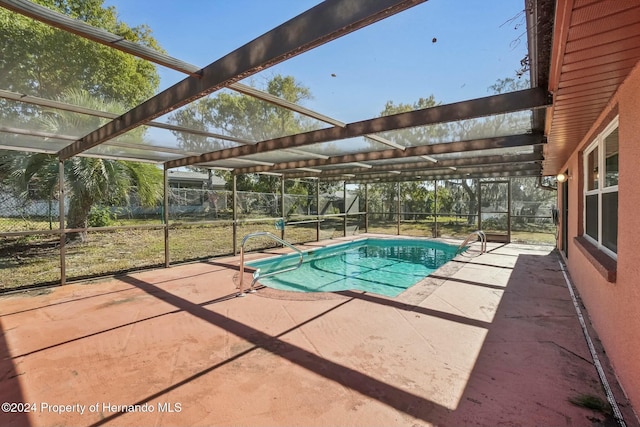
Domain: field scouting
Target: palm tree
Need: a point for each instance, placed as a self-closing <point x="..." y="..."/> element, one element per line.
<point x="89" y="181"/>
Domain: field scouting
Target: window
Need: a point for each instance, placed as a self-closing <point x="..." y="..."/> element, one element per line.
<point x="601" y="190"/>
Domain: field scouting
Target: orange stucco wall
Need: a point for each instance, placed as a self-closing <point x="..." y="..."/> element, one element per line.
<point x="614" y="308"/>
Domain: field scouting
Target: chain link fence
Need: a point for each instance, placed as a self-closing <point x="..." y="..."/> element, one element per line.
<point x="27" y="210"/>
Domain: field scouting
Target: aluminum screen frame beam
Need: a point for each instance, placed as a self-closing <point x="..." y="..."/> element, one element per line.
<point x="396" y="178"/>
<point x="37" y="133"/>
<point x="155" y="148"/>
<point x="62" y="137"/>
<point x="385" y="141"/>
<point x="247" y="90"/>
<point x="422" y="166"/>
<point x="267" y="97"/>
<point x="323" y="23"/>
<point x="80" y="28"/>
<point x="98" y="35"/>
<point x="441" y="148"/>
<point x="481" y="107"/>
<point x="427" y="175"/>
<point x="64" y="106"/>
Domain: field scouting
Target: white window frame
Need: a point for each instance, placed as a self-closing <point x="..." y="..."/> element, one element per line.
<point x="598" y="143"/>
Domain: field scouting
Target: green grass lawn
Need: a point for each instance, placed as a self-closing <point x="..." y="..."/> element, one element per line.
<point x="29" y="260"/>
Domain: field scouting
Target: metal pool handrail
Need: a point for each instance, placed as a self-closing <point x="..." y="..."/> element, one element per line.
<point x="256" y="274"/>
<point x="483" y="241"/>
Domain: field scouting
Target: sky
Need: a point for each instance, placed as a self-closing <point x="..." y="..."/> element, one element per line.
<point x="452" y="49"/>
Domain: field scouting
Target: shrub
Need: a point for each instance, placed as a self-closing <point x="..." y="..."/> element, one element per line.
<point x="100" y="216"/>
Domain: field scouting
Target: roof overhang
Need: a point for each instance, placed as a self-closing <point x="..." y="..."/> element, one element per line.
<point x="595" y="46"/>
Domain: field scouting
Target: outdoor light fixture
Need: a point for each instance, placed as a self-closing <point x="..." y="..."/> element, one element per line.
<point x="562" y="177"/>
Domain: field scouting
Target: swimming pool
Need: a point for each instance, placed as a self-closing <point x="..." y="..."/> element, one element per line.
<point x="381" y="266"/>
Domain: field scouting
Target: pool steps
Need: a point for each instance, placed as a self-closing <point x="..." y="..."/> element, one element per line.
<point x="474" y="235"/>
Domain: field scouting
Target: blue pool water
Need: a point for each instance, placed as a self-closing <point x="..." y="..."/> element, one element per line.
<point x="381" y="266"/>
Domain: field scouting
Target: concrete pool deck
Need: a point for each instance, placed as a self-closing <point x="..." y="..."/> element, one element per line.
<point x="486" y="340"/>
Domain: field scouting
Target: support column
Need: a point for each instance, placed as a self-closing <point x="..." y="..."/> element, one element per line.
<point x="435" y="208"/>
<point x="318" y="209"/>
<point x="509" y="210"/>
<point x="398" y="197"/>
<point x="234" y="196"/>
<point x="165" y="218"/>
<point x="344" y="219"/>
<point x="282" y="205"/>
<point x="479" y="203"/>
<point x="366" y="207"/>
<point x="63" y="235"/>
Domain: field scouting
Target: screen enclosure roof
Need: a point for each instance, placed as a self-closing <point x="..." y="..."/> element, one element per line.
<point x="388" y="99"/>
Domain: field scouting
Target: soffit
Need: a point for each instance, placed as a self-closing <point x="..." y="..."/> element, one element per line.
<point x="595" y="46"/>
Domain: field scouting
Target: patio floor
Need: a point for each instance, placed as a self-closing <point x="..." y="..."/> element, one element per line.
<point x="487" y="340"/>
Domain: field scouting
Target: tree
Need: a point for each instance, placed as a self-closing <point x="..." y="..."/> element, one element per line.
<point x="527" y="197"/>
<point x="416" y="198"/>
<point x="43" y="61"/>
<point x="496" y="125"/>
<point x="383" y="198"/>
<point x="445" y="200"/>
<point x="40" y="60"/>
<point x="485" y="127"/>
<point x="245" y="117"/>
<point x="420" y="135"/>
<point x="90" y="180"/>
<point x="464" y="194"/>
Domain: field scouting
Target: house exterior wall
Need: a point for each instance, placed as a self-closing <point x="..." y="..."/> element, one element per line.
<point x="614" y="307"/>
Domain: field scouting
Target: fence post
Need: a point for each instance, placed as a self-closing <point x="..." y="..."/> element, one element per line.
<point x="344" y="208"/>
<point x="398" y="196"/>
<point x="318" y="209"/>
<point x="165" y="218"/>
<point x="282" y="205"/>
<point x="479" y="209"/>
<point x="234" y="194"/>
<point x="63" y="235"/>
<point x="435" y="208"/>
<point x="509" y="210"/>
<point x="366" y="207"/>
